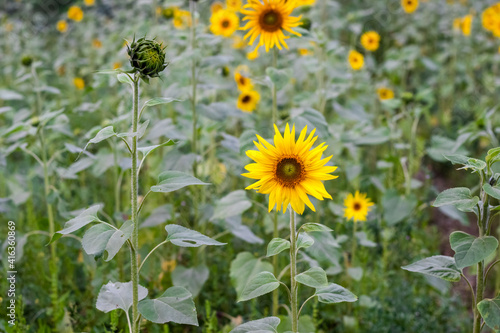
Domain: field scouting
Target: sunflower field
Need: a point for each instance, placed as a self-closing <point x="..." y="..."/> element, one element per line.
<point x="258" y="166"/>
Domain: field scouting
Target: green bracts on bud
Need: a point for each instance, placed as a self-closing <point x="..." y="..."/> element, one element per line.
<point x="147" y="57"/>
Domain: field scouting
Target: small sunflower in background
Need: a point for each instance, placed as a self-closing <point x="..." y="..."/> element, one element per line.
<point x="357" y="206"/>
<point x="370" y="40"/>
<point x="243" y="82"/>
<point x="409" y="6"/>
<point x="224" y="23"/>
<point x="96" y="43"/>
<point x="234" y="5"/>
<point x="268" y="20"/>
<point x="79" y="83"/>
<point x="304" y="52"/>
<point x="356" y="60"/>
<point x="248" y="100"/>
<point x="89" y="3"/>
<point x="289" y="171"/>
<point x="216" y="6"/>
<point x="385" y="93"/>
<point x="182" y="19"/>
<point x="75" y="13"/>
<point x="253" y="55"/>
<point x="62" y="26"/>
<point x="489" y="17"/>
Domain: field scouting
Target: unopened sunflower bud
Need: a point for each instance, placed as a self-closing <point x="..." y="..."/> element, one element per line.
<point x="168" y="13"/>
<point x="35" y="121"/>
<point x="26" y="61"/>
<point x="147" y="57"/>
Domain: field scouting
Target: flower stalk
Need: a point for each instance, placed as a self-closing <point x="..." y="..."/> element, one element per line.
<point x="293" y="273"/>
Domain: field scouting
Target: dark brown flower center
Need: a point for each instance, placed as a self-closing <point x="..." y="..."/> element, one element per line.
<point x="225" y="23"/>
<point x="246" y="99"/>
<point x="243" y="80"/>
<point x="357" y="206"/>
<point x="289" y="171"/>
<point x="270" y="20"/>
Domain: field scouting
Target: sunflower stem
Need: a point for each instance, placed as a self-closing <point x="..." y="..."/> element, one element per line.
<point x="194" y="142"/>
<point x="293" y="273"/>
<point x="354" y="243"/>
<point x="275" y="265"/>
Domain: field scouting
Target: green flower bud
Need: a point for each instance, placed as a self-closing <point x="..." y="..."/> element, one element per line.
<point x="305" y="23"/>
<point x="27" y="61"/>
<point x="168" y="13"/>
<point x="147" y="57"/>
<point x="225" y="71"/>
<point x="35" y="121"/>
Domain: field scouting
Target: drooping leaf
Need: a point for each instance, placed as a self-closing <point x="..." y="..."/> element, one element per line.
<point x="105" y="133"/>
<point x="170" y="181"/>
<point x="313" y="227"/>
<point x="175" y="305"/>
<point x="470" y="250"/>
<point x="333" y="293"/>
<point x="314" y="277"/>
<point x="117" y="295"/>
<point x="124" y="78"/>
<point x="264" y="325"/>
<point x="160" y="100"/>
<point x="460" y="197"/>
<point x="277" y="245"/>
<point x="490" y="311"/>
<point x="184" y="237"/>
<point x="244" y="267"/>
<point x="89" y="215"/>
<point x="260" y="284"/>
<point x="117" y="239"/>
<point x="493" y="191"/>
<point x="304" y="241"/>
<point x="443" y="267"/>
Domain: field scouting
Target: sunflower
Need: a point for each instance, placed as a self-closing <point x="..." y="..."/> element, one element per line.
<point x="75" y="13"/>
<point x="89" y="3"/>
<point x="62" y="26"/>
<point x="488" y="18"/>
<point x="357" y="206"/>
<point x="290" y="170"/>
<point x="247" y="101"/>
<point x="243" y="82"/>
<point x="253" y="55"/>
<point x="385" y="93"/>
<point x="268" y="19"/>
<point x="356" y="60"/>
<point x="234" y="5"/>
<point x="305" y="2"/>
<point x="370" y="40"/>
<point x="182" y="19"/>
<point x="224" y="23"/>
<point x="409" y="6"/>
<point x="79" y="83"/>
<point x="216" y="6"/>
<point x="96" y="43"/>
<point x="466" y="25"/>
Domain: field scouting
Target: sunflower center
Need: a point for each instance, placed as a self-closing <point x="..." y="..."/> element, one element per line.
<point x="357" y="206"/>
<point x="289" y="171"/>
<point x="246" y="99"/>
<point x="270" y="20"/>
<point x="225" y="24"/>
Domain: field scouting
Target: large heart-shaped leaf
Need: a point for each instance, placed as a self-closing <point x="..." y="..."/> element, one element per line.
<point x="170" y="181"/>
<point x="244" y="267"/>
<point x="314" y="277"/>
<point x="102" y="238"/>
<point x="190" y="278"/>
<point x="89" y="215"/>
<point x="175" y="305"/>
<point x="493" y="191"/>
<point x="277" y="245"/>
<point x="304" y="241"/>
<point x="264" y="325"/>
<point x="180" y="236"/>
<point x="260" y="284"/>
<point x="443" y="267"/>
<point x="333" y="293"/>
<point x="490" y="311"/>
<point x="117" y="295"/>
<point x="470" y="250"/>
<point x="460" y="197"/>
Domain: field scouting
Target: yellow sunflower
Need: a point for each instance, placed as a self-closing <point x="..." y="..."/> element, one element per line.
<point x="268" y="19"/>
<point x="79" y="83"/>
<point x="385" y="93"/>
<point x="182" y="19"/>
<point x="356" y="60"/>
<point x="305" y="2"/>
<point x="357" y="206"/>
<point x="248" y="100"/>
<point x="234" y="5"/>
<point x="466" y="25"/>
<point x="253" y="55"/>
<point x="75" y="13"/>
<point x="290" y="170"/>
<point x="409" y="6"/>
<point x="62" y="26"/>
<point x="488" y="18"/>
<point x="224" y="23"/>
<point x="216" y="6"/>
<point x="370" y="40"/>
<point x="243" y="82"/>
<point x="89" y="3"/>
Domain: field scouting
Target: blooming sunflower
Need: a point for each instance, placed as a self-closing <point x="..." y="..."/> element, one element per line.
<point x="290" y="170"/>
<point x="75" y="13"/>
<point x="62" y="26"/>
<point x="466" y="25"/>
<point x="357" y="206"/>
<point x="409" y="6"/>
<point x="385" y="93"/>
<point x="243" y="82"/>
<point x="253" y="55"/>
<point x="488" y="18"/>
<point x="268" y="19"/>
<point x="89" y="3"/>
<point x="356" y="60"/>
<point x="305" y="2"/>
<point x="370" y="40"/>
<point x="234" y="5"/>
<point x="247" y="101"/>
<point x="216" y="6"/>
<point x="182" y="19"/>
<point x="224" y="23"/>
<point x="79" y="83"/>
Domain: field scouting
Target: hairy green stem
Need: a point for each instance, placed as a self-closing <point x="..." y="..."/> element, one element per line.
<point x="194" y="141"/>
<point x="293" y="273"/>
<point x="275" y="265"/>
<point x="134" y="193"/>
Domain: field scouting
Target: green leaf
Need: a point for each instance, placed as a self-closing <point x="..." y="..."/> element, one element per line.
<point x="333" y="293"/>
<point x="277" y="245"/>
<point x="170" y="181"/>
<point x="117" y="239"/>
<point x="470" y="250"/>
<point x="312" y="227"/>
<point x="492" y="191"/>
<point x="235" y="203"/>
<point x="460" y="197"/>
<point x="279" y="77"/>
<point x="355" y="272"/>
<point x="396" y="207"/>
<point x="161" y="100"/>
<point x="467" y="162"/>
<point x="264" y="325"/>
<point x="102" y="135"/>
<point x="314" y="277"/>
<point x="260" y="284"/>
<point x="102" y="238"/>
<point x="493" y="156"/>
<point x="443" y="267"/>
<point x="89" y="215"/>
<point x="147" y="150"/>
<point x="304" y="241"/>
<point x="244" y="267"/>
<point x="9" y="95"/>
<point x="190" y="278"/>
<point x="490" y="311"/>
<point x="117" y="295"/>
<point x="124" y="78"/>
<point x="175" y="305"/>
<point x="184" y="237"/>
